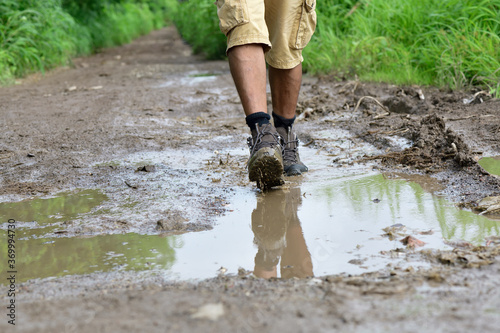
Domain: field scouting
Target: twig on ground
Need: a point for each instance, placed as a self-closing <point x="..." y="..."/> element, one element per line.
<point x="373" y="99"/>
<point x="468" y="117"/>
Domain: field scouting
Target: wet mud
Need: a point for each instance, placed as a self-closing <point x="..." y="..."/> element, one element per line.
<point x="126" y="174"/>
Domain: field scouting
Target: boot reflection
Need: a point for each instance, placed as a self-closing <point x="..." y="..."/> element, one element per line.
<point x="278" y="235"/>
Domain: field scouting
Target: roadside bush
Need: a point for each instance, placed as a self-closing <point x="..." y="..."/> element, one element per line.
<point x="454" y="43"/>
<point x="199" y="26"/>
<point x="37" y="35"/>
<point x="34" y="35"/>
<point x="115" y="22"/>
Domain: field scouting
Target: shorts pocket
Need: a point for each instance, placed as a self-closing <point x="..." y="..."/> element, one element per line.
<point x="305" y="25"/>
<point x="232" y="13"/>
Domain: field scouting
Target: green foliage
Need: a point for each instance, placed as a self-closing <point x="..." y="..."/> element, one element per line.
<point x="451" y="43"/>
<point x="28" y="30"/>
<point x="115" y="22"/>
<point x="454" y="43"/>
<point x="198" y="24"/>
<point x="36" y="35"/>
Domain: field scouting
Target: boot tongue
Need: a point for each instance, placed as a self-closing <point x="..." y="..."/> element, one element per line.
<point x="287" y="136"/>
<point x="265" y="135"/>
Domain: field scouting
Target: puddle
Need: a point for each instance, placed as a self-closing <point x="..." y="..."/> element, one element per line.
<point x="41" y="258"/>
<point x="329" y="221"/>
<point x="190" y="80"/>
<point x="43" y="211"/>
<point x="491" y="164"/>
<point x="204" y="74"/>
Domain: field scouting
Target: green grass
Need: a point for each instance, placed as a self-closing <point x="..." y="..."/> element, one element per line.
<point x="115" y="22"/>
<point x="198" y="24"/>
<point x="449" y="43"/>
<point x="33" y="36"/>
<point x="38" y="35"/>
<point x="453" y="43"/>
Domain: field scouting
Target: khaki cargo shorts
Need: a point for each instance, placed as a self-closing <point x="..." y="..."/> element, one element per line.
<point x="284" y="27"/>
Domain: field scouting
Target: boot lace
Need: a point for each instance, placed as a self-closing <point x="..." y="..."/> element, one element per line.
<point x="289" y="151"/>
<point x="262" y="139"/>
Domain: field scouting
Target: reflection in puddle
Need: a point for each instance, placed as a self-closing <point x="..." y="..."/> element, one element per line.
<point x="190" y="80"/>
<point x="329" y="221"/>
<point x="278" y="233"/>
<point x="40" y="257"/>
<point x="43" y="211"/>
<point x="491" y="164"/>
<point x="43" y="257"/>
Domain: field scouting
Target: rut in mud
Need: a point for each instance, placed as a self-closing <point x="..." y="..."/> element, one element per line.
<point x="128" y="170"/>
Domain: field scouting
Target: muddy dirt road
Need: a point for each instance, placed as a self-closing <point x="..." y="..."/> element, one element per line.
<point x="144" y="146"/>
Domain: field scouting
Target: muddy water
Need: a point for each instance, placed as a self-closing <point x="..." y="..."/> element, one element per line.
<point x="48" y="213"/>
<point x="329" y="221"/>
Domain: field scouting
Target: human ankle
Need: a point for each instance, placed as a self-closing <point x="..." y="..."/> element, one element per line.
<point x="260" y="118"/>
<point x="280" y="121"/>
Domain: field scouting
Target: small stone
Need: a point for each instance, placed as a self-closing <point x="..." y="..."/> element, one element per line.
<point x="210" y="311"/>
<point x="131" y="185"/>
<point x="147" y="168"/>
<point x="171" y="224"/>
<point x="411" y="241"/>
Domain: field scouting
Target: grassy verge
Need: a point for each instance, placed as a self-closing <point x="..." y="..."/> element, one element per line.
<point x="37" y="35"/>
<point x="198" y="24"/>
<point x="454" y="43"/>
<point x="449" y="43"/>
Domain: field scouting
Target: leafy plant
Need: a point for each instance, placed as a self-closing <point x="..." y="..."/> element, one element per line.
<point x="198" y="24"/>
<point x="37" y="35"/>
<point x="454" y="43"/>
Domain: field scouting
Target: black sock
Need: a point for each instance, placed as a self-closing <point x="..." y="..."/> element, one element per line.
<point x="280" y="121"/>
<point x="260" y="118"/>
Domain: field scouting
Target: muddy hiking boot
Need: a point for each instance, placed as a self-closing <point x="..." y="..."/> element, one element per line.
<point x="265" y="165"/>
<point x="290" y="145"/>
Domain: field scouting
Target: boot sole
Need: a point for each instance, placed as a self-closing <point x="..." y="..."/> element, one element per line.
<point x="266" y="169"/>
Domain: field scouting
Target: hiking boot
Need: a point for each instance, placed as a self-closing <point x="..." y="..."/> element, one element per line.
<point x="290" y="145"/>
<point x="265" y="165"/>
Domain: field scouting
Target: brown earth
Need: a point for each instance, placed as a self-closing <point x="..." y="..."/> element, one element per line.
<point x="63" y="131"/>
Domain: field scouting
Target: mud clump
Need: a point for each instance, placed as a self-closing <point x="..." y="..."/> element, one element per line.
<point x="434" y="148"/>
<point x="467" y="258"/>
<point x="146" y="168"/>
<point x="405" y="105"/>
<point x="489" y="206"/>
<point x="175" y="223"/>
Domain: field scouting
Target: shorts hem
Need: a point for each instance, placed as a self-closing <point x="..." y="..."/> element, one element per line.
<point x="284" y="64"/>
<point x="249" y="39"/>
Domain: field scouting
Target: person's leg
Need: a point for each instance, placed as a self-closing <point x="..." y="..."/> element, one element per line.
<point x="290" y="24"/>
<point x="248" y="39"/>
<point x="285" y="88"/>
<point x="248" y="68"/>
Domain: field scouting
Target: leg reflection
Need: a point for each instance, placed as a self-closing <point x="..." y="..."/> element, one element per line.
<point x="278" y="235"/>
